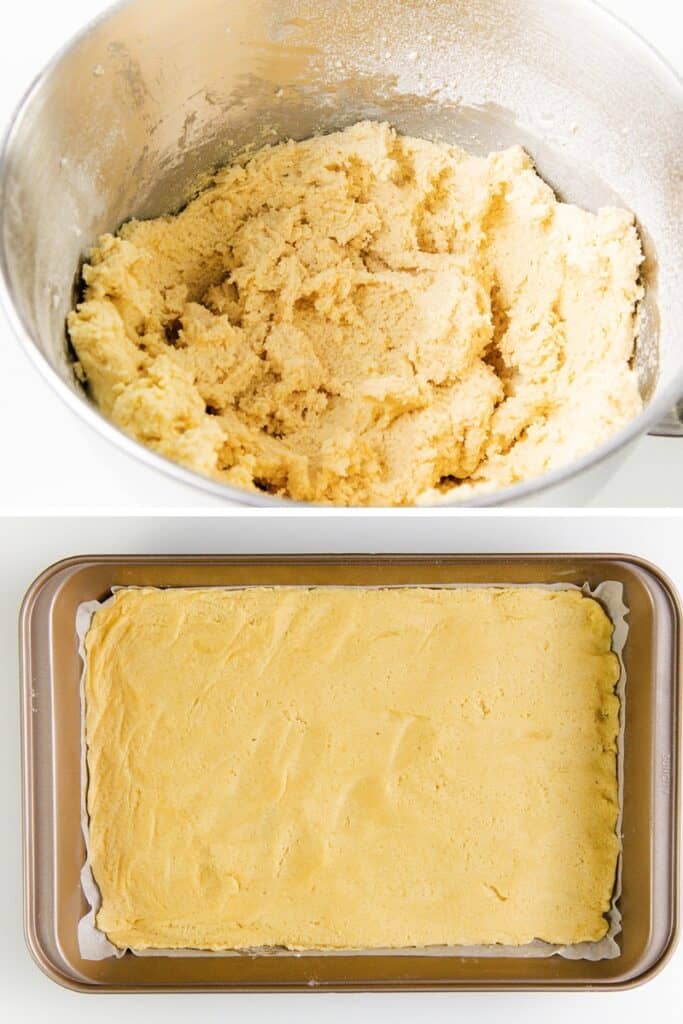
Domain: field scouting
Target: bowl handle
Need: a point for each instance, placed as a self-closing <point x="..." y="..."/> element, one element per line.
<point x="672" y="424"/>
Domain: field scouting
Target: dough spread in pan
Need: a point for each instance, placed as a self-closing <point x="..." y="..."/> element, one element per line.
<point x="366" y="319"/>
<point x="351" y="768"/>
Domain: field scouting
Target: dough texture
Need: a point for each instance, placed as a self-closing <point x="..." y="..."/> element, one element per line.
<point x="351" y="768"/>
<point x="366" y="319"/>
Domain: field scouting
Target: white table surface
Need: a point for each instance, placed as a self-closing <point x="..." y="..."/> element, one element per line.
<point x="43" y="465"/>
<point x="28" y="546"/>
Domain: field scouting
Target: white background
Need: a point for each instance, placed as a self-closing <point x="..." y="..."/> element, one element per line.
<point x="28" y="546"/>
<point x="55" y="460"/>
<point x="48" y="449"/>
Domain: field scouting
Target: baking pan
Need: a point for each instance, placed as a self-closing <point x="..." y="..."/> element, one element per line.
<point x="53" y="844"/>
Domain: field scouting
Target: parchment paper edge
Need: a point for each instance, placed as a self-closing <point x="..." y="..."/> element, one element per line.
<point x="94" y="944"/>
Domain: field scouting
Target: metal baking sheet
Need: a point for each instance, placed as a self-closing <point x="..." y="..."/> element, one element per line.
<point x="51" y="724"/>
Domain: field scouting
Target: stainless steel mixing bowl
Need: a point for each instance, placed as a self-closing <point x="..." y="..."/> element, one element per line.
<point x="124" y="119"/>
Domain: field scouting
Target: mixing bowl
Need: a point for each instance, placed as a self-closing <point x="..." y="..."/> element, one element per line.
<point x="155" y="92"/>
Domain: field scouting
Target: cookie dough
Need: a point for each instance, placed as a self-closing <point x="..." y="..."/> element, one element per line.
<point x="366" y="319"/>
<point x="351" y="768"/>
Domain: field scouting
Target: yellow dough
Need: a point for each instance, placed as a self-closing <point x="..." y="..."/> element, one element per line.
<point x="364" y="318"/>
<point x="351" y="768"/>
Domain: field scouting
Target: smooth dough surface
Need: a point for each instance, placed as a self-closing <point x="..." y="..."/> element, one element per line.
<point x="365" y="318"/>
<point x="351" y="768"/>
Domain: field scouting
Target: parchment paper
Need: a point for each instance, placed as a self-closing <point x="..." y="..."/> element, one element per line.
<point x="94" y="945"/>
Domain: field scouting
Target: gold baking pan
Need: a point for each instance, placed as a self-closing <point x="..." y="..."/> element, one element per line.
<point x="51" y="723"/>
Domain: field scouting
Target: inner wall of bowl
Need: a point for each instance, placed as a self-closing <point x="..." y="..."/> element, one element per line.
<point x="161" y="91"/>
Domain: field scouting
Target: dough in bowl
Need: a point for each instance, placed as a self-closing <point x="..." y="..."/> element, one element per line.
<point x="366" y="319"/>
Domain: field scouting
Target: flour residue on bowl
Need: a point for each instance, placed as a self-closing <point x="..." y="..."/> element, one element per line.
<point x="364" y="318"/>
